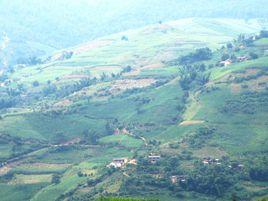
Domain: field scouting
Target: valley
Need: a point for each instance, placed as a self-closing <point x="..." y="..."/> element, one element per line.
<point x="183" y="102"/>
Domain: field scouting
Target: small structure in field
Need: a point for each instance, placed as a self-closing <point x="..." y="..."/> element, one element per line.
<point x="240" y="165"/>
<point x="226" y="62"/>
<point x="154" y="158"/>
<point x="118" y="163"/>
<point x="178" y="178"/>
<point x="133" y="162"/>
<point x="122" y="131"/>
<point x="209" y="160"/>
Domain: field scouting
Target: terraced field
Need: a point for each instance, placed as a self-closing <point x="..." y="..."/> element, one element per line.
<point x="120" y="97"/>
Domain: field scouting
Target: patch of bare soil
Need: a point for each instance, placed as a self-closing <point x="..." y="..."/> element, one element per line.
<point x="4" y="170"/>
<point x="63" y="103"/>
<point x="192" y="122"/>
<point x="236" y="88"/>
<point x="121" y="85"/>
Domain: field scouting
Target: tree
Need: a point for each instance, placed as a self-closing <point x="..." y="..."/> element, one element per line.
<point x="55" y="179"/>
<point x="124" y="38"/>
<point x="233" y="58"/>
<point x="34" y="61"/>
<point x="230" y="46"/>
<point x="264" y="34"/>
<point x="35" y="83"/>
<point x="127" y="69"/>
<point x="253" y="55"/>
<point x="225" y="56"/>
<point x="199" y="55"/>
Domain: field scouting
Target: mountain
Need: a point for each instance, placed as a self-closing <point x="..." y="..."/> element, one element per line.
<point x="180" y="105"/>
<point x="40" y="28"/>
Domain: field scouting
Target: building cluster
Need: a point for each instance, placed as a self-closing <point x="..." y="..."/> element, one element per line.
<point x="178" y="179"/>
<point x="154" y="158"/>
<point x="209" y="160"/>
<point x="228" y="62"/>
<point x="174" y="179"/>
<point x="121" y="162"/>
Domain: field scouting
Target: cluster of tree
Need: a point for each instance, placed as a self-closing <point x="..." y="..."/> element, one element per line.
<point x="200" y="137"/>
<point x="210" y="179"/>
<point x="66" y="55"/>
<point x="246" y="41"/>
<point x="260" y="73"/>
<point x="90" y="137"/>
<point x="263" y="34"/>
<point x="259" y="168"/>
<point x="247" y="103"/>
<point x="6" y="102"/>
<point x="10" y="96"/>
<point x="191" y="75"/>
<point x="226" y="56"/>
<point x="3" y="77"/>
<point x="33" y="60"/>
<point x="201" y="54"/>
<point x="127" y="69"/>
<point x="63" y="91"/>
<point x="55" y="179"/>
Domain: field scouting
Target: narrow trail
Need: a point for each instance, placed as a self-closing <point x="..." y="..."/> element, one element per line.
<point x="192" y="109"/>
<point x="140" y="137"/>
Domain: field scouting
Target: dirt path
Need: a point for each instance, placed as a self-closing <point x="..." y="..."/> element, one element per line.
<point x="192" y="109"/>
<point x="140" y="137"/>
<point x="191" y="122"/>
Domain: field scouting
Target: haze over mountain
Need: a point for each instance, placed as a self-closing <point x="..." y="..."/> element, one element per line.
<point x="36" y="28"/>
<point x="107" y="100"/>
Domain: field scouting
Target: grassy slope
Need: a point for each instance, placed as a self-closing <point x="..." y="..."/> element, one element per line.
<point x="145" y="47"/>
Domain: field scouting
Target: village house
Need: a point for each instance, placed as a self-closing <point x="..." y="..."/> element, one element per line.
<point x="236" y="166"/>
<point x="226" y="62"/>
<point x="118" y="162"/>
<point x="154" y="158"/>
<point x="123" y="131"/>
<point x="177" y="178"/>
<point x="209" y="160"/>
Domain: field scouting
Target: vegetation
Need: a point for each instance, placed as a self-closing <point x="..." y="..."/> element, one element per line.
<point x="65" y="122"/>
<point x="124" y="199"/>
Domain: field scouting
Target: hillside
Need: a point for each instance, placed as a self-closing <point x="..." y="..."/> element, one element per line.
<point x="184" y="101"/>
<point x="32" y="32"/>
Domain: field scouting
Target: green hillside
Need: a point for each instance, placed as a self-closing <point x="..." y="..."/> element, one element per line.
<point x="192" y="93"/>
<point x="32" y="32"/>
